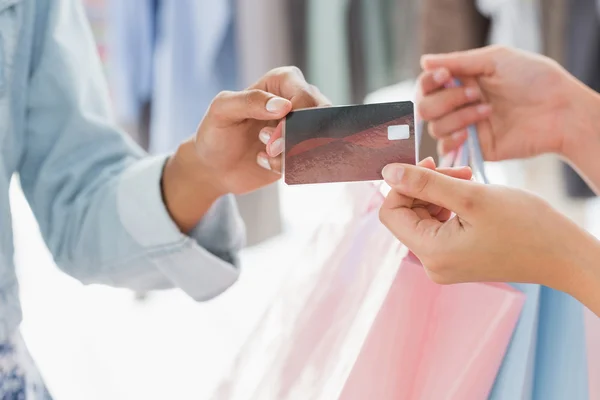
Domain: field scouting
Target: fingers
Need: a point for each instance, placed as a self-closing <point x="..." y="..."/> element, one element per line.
<point x="449" y="110"/>
<point x="423" y="184"/>
<point x="451" y="143"/>
<point x="270" y="160"/>
<point x="269" y="163"/>
<point x="412" y="226"/>
<point x="443" y="102"/>
<point x="430" y="81"/>
<point x="275" y="143"/>
<point x="475" y="62"/>
<point x="464" y="173"/>
<point x="235" y="107"/>
<point x="458" y="120"/>
<point x="289" y="83"/>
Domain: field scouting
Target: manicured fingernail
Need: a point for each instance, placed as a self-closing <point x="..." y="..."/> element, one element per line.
<point x="276" y="148"/>
<point x="264" y="137"/>
<point x="472" y="93"/>
<point x="441" y="75"/>
<point x="484" y="108"/>
<point x="276" y="105"/>
<point x="263" y="162"/>
<point x="392" y="173"/>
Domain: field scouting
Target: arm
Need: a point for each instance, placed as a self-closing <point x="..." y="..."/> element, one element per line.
<point x="498" y="234"/>
<point x="96" y="196"/>
<point x="581" y="144"/>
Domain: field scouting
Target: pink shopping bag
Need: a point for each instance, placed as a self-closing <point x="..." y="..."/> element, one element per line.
<point x="356" y="321"/>
<point x="435" y="342"/>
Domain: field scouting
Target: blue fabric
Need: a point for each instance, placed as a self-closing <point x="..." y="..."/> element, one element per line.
<point x="561" y="360"/>
<point x="546" y="359"/>
<point x="131" y="40"/>
<point x="96" y="196"/>
<point x="516" y="376"/>
<point x="190" y="46"/>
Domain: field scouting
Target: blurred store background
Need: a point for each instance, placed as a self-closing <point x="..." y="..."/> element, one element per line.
<point x="165" y="60"/>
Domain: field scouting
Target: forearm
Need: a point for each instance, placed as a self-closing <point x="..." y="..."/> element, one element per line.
<point x="188" y="188"/>
<point x="582" y="272"/>
<point x="581" y="144"/>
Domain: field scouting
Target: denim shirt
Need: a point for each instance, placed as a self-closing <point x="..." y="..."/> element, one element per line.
<point x="95" y="195"/>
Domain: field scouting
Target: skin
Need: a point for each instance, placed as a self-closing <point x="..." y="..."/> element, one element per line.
<point x="226" y="154"/>
<point x="523" y="105"/>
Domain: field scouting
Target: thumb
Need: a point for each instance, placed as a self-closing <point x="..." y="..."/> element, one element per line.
<point x="249" y="104"/>
<point x="463" y="63"/>
<point x="457" y="195"/>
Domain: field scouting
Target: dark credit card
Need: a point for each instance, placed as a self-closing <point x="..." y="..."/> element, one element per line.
<point x="349" y="143"/>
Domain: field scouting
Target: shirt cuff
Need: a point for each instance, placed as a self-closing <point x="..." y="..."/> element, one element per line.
<point x="202" y="264"/>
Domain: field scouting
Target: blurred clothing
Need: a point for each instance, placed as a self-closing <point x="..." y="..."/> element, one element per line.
<point x="177" y="55"/>
<point x="96" y="196"/>
<point x="132" y="37"/>
<point x="19" y="377"/>
<point x="170" y="58"/>
<point x="515" y="23"/>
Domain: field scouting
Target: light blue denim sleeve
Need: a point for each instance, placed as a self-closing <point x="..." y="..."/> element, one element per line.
<point x="97" y="196"/>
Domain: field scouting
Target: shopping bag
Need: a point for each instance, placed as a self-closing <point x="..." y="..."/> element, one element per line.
<point x="302" y="346"/>
<point x="592" y="324"/>
<point x="546" y="359"/>
<point x="323" y="333"/>
<point x="434" y="342"/>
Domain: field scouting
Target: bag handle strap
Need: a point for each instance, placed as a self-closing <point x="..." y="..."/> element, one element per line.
<point x="469" y="153"/>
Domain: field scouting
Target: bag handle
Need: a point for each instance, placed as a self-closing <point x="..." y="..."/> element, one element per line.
<point x="469" y="153"/>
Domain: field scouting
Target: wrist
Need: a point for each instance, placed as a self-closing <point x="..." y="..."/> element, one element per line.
<point x="581" y="130"/>
<point x="581" y="277"/>
<point x="189" y="187"/>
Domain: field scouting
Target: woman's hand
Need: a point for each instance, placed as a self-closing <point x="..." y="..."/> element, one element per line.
<point x="228" y="152"/>
<point x="498" y="234"/>
<point x="523" y="104"/>
<point x="231" y="139"/>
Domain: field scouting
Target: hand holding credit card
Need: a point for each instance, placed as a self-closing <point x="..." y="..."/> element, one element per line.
<point x="348" y="143"/>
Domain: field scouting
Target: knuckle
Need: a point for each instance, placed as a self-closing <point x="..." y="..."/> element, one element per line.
<point x="217" y="104"/>
<point x="440" y="271"/>
<point x="470" y="201"/>
<point x="423" y="110"/>
<point x="421" y="182"/>
<point x="434" y="130"/>
<point x="440" y="279"/>
<point x="467" y="116"/>
<point x="252" y="98"/>
<point x="293" y="70"/>
<point x="288" y="71"/>
<point x="498" y="48"/>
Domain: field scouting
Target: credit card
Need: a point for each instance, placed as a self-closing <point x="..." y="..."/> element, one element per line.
<point x="348" y="143"/>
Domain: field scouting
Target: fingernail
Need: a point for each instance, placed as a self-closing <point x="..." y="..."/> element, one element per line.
<point x="430" y="159"/>
<point x="263" y="162"/>
<point x="484" y="108"/>
<point x="472" y="93"/>
<point x="276" y="148"/>
<point x="276" y="105"/>
<point x="392" y="173"/>
<point x="264" y="137"/>
<point x="441" y="75"/>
